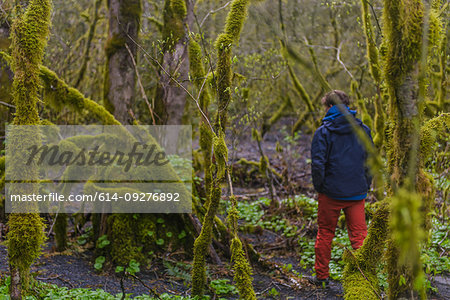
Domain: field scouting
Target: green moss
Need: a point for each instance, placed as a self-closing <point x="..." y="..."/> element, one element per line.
<point x="361" y="287"/>
<point x="242" y="271"/>
<point x="223" y="44"/>
<point x="156" y="22"/>
<point x="372" y="51"/>
<point x="123" y="243"/>
<point x="235" y="18"/>
<point x="256" y="135"/>
<point x="220" y="154"/>
<point x="442" y="91"/>
<point x="59" y="94"/>
<point x="29" y="38"/>
<point x="301" y="90"/>
<point x="367" y="258"/>
<point x="29" y="35"/>
<point x="430" y="132"/>
<point x="379" y="120"/>
<point x="173" y="29"/>
<point x="25" y="238"/>
<point x="202" y="243"/>
<point x="198" y="74"/>
<point x="233" y="215"/>
<point x="403" y="22"/>
<point x="2" y="165"/>
<point x="406" y="226"/>
<point x="206" y="144"/>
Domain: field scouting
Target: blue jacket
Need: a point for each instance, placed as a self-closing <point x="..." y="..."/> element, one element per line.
<point x="338" y="159"/>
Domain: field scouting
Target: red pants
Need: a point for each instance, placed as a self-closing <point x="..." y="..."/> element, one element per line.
<point x="328" y="215"/>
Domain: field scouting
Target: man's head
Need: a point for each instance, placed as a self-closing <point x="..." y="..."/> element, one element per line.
<point x="335" y="97"/>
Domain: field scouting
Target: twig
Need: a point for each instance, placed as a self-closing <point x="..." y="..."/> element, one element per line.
<point x="7" y="104"/>
<point x="141" y="87"/>
<point x="149" y="288"/>
<point x="266" y="289"/>
<point x="174" y="79"/>
<point x="53" y="224"/>
<point x="375" y="15"/>
<point x="213" y="12"/>
<point x="56" y="277"/>
<point x="6" y="15"/>
<point x="122" y="287"/>
<point x="338" y="57"/>
<point x="444" y="238"/>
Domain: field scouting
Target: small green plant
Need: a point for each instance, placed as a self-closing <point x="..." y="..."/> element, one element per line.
<point x="83" y="239"/>
<point x="182" y="234"/>
<point x="273" y="292"/>
<point x="178" y="270"/>
<point x="133" y="267"/>
<point x="119" y="269"/>
<point x="99" y="263"/>
<point x="103" y="241"/>
<point x="223" y="287"/>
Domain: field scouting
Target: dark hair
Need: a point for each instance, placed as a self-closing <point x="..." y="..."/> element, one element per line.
<point x="335" y="97"/>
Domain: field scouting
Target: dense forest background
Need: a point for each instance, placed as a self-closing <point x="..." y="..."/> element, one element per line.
<point x="248" y="76"/>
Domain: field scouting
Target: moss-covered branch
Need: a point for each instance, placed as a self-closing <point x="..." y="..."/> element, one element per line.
<point x="234" y="23"/>
<point x="375" y="72"/>
<point x="59" y="95"/>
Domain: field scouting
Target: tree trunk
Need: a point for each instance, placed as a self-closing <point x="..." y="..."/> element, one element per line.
<point x="124" y="17"/>
<point x="170" y="98"/>
<point x="25" y="237"/>
<point x="403" y="30"/>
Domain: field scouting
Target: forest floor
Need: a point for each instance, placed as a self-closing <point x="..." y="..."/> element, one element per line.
<point x="283" y="238"/>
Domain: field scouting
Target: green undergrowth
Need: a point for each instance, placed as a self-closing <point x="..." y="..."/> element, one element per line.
<point x="253" y="215"/>
<point x="302" y="226"/>
<point x="44" y="291"/>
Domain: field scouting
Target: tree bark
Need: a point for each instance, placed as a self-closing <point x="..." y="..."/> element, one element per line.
<point x="124" y="17"/>
<point x="170" y="98"/>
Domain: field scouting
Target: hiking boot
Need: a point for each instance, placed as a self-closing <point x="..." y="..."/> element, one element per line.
<point x="319" y="282"/>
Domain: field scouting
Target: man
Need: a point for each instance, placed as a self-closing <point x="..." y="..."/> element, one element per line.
<point x="341" y="178"/>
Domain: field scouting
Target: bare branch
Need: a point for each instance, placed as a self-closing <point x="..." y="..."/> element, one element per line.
<point x="146" y="54"/>
<point x="7" y="104"/>
<point x="141" y="87"/>
<point x="213" y="12"/>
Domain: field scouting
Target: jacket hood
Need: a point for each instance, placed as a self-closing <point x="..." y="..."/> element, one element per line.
<point x="336" y="119"/>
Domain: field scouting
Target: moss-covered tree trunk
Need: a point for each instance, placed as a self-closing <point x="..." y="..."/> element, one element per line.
<point x="403" y="30"/>
<point x="407" y="39"/>
<point x="223" y="74"/>
<point x="29" y="38"/>
<point x="119" y="83"/>
<point x="6" y="76"/>
<point x="170" y="98"/>
<point x="124" y="18"/>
